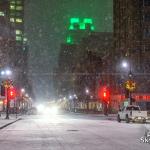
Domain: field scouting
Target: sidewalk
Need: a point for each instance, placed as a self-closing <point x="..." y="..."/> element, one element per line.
<point x="5" y="122"/>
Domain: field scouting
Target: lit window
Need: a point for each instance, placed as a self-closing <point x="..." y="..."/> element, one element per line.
<point x="2" y="13"/>
<point x="25" y="39"/>
<point x="12" y="7"/>
<point x="18" y="38"/>
<point x="19" y="8"/>
<point x="19" y="20"/>
<point x="12" y="2"/>
<point x="18" y="32"/>
<point x="12" y="20"/>
<point x="19" y="2"/>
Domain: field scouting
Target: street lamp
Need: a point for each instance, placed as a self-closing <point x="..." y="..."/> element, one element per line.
<point x="125" y="64"/>
<point x="70" y="97"/>
<point x="87" y="91"/>
<point x="22" y="90"/>
<point x="8" y="72"/>
<point x="2" y="73"/>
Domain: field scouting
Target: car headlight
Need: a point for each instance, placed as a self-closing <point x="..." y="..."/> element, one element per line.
<point x="40" y="108"/>
<point x="54" y="110"/>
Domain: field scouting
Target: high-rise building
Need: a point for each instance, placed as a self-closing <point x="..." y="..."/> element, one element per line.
<point x="131" y="32"/>
<point x="132" y="37"/>
<point x="12" y="17"/>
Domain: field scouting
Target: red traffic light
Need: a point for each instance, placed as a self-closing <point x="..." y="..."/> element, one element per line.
<point x="11" y="93"/>
<point x="104" y="93"/>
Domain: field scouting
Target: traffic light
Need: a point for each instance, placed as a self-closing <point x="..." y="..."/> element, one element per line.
<point x="11" y="93"/>
<point x="104" y="94"/>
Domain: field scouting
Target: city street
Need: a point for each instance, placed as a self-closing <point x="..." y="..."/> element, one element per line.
<point x="72" y="132"/>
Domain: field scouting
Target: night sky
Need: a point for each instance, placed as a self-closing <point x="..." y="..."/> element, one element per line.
<point x="46" y="22"/>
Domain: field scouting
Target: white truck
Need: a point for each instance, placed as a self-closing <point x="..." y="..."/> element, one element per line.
<point x="132" y="113"/>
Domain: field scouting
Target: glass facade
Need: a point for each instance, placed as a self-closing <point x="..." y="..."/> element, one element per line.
<point x="16" y="17"/>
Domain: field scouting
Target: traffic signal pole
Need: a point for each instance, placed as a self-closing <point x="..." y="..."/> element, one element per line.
<point x="7" y="104"/>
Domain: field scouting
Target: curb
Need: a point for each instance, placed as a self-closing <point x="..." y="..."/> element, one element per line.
<point x="97" y="115"/>
<point x="2" y="127"/>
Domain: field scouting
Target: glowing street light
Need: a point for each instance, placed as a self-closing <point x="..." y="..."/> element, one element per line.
<point x="22" y="90"/>
<point x="2" y="73"/>
<point x="87" y="91"/>
<point x="70" y="97"/>
<point x="125" y="64"/>
<point x="27" y="95"/>
<point x="6" y="72"/>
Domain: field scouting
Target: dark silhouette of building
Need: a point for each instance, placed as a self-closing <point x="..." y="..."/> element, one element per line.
<point x="132" y="38"/>
<point x="81" y="62"/>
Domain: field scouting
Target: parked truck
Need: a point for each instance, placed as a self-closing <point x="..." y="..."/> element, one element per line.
<point x="132" y="113"/>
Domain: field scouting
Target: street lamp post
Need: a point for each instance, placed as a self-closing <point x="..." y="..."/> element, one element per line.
<point x="128" y="65"/>
<point x="87" y="100"/>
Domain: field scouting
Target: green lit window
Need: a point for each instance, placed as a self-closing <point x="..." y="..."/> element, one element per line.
<point x="88" y="20"/>
<point x="92" y="28"/>
<point x="81" y="23"/>
<point x="12" y="7"/>
<point x="18" y="38"/>
<point x="71" y="27"/>
<point x="18" y="32"/>
<point x="19" y="8"/>
<point x="74" y="20"/>
<point x="69" y="40"/>
<point x="82" y="26"/>
<point x="2" y="13"/>
<point x="12" y="19"/>
<point x="19" y="20"/>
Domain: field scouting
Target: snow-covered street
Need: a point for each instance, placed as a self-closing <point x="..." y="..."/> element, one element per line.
<point x="71" y="132"/>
